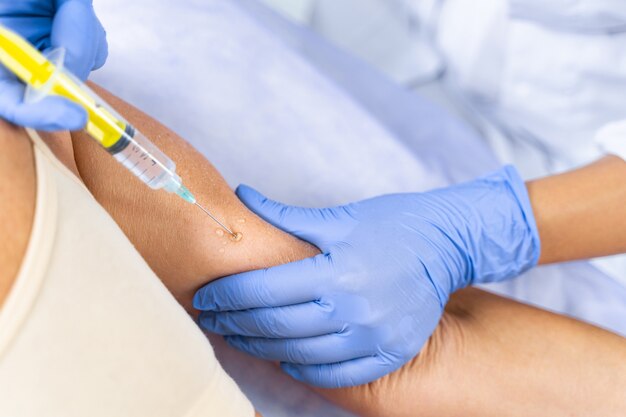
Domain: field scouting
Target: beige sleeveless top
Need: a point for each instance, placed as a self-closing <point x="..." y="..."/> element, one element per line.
<point x="89" y="330"/>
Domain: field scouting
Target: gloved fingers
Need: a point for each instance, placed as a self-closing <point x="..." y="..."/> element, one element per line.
<point x="102" y="48"/>
<point x="50" y="114"/>
<point x="293" y="283"/>
<point x="32" y="24"/>
<point x="77" y="29"/>
<point x="296" y="321"/>
<point x="340" y="375"/>
<point x="326" y="349"/>
<point x="321" y="227"/>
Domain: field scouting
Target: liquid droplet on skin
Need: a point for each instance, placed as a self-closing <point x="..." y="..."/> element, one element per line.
<point x="219" y="232"/>
<point x="238" y="236"/>
<point x="241" y="221"/>
<point x="222" y="250"/>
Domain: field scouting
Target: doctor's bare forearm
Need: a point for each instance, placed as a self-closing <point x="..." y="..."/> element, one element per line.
<point x="580" y="214"/>
<point x="474" y="358"/>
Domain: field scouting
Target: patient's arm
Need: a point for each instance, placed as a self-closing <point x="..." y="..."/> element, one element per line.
<point x="182" y="244"/>
<point x="489" y="356"/>
<point x="17" y="202"/>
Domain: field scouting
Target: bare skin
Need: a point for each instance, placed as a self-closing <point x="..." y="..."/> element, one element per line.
<point x="489" y="356"/>
<point x="580" y="214"/>
<point x="17" y="202"/>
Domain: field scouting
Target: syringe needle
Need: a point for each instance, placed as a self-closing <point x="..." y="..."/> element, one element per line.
<point x="216" y="221"/>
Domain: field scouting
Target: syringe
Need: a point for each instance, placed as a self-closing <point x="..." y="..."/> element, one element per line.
<point x="46" y="76"/>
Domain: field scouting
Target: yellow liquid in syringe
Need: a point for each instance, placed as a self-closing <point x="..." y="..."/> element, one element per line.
<point x="34" y="69"/>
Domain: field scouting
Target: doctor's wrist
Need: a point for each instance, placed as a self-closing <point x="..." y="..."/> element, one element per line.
<point x="497" y="228"/>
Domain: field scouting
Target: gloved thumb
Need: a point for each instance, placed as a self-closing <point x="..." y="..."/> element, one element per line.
<point x="77" y="29"/>
<point x="320" y="227"/>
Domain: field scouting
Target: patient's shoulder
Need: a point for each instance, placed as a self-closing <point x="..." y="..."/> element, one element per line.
<point x="17" y="201"/>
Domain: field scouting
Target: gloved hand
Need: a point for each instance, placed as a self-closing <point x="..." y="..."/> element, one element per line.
<point x="49" y="24"/>
<point x="369" y="302"/>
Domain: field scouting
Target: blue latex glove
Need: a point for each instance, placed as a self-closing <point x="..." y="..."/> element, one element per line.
<point x="49" y="24"/>
<point x="369" y="302"/>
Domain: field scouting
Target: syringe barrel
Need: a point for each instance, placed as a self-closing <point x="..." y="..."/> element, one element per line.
<point x="142" y="158"/>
